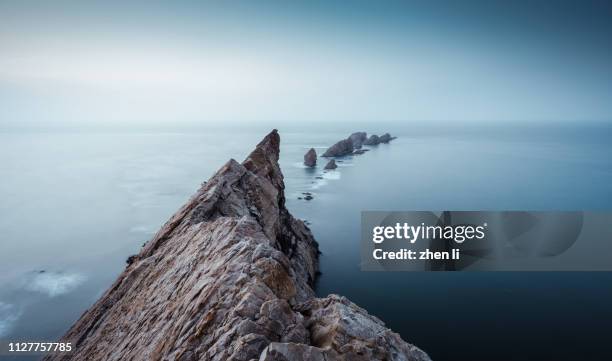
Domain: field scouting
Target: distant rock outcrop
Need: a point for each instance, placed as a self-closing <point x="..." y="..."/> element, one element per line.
<point x="386" y="138"/>
<point x="230" y="277"/>
<point x="375" y="139"/>
<point x="372" y="140"/>
<point x="358" y="138"/>
<point x="353" y="144"/>
<point x="310" y="158"/>
<point x="331" y="165"/>
<point x="342" y="148"/>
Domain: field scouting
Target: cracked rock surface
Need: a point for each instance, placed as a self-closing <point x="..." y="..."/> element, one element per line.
<point x="230" y="277"/>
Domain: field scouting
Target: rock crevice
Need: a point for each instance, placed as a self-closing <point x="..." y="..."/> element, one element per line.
<point x="230" y="277"/>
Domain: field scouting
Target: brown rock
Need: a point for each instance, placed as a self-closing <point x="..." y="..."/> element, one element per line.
<point x="358" y="138"/>
<point x="310" y="158"/>
<point x="342" y="148"/>
<point x="331" y="165"/>
<point x="386" y="138"/>
<point x="230" y="277"/>
<point x="372" y="140"/>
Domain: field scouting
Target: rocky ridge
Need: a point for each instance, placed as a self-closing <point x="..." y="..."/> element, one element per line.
<point x="230" y="277"/>
<point x="354" y="143"/>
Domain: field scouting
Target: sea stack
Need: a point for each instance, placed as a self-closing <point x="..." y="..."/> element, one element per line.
<point x="230" y="277"/>
<point x="310" y="158"/>
<point x="342" y="148"/>
<point x="372" y="140"/>
<point x="331" y="165"/>
<point x="358" y="138"/>
<point x="386" y="138"/>
<point x="375" y="139"/>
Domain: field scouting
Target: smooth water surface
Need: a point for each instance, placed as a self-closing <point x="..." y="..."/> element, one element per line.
<point x="76" y="205"/>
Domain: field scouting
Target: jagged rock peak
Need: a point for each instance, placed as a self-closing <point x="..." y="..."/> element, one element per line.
<point x="230" y="277"/>
<point x="263" y="160"/>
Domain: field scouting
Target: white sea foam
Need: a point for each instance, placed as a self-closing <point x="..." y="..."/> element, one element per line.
<point x="318" y="184"/>
<point x="9" y="314"/>
<point x="142" y="229"/>
<point x="332" y="175"/>
<point x="345" y="164"/>
<point x="326" y="177"/>
<point x="299" y="165"/>
<point x="53" y="284"/>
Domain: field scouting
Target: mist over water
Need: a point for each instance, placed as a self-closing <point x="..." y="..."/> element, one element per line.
<point x="76" y="205"/>
<point x="112" y="113"/>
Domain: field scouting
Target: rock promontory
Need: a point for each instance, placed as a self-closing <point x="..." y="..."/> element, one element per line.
<point x="230" y="277"/>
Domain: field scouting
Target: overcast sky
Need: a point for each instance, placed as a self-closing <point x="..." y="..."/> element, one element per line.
<point x="83" y="64"/>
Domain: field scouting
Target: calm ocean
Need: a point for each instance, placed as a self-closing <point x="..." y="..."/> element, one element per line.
<point x="76" y="205"/>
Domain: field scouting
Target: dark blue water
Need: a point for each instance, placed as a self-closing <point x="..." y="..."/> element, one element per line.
<point x="473" y="316"/>
<point x="75" y="205"/>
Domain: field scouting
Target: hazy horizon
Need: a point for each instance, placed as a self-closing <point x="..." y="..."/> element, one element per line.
<point x="161" y="65"/>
